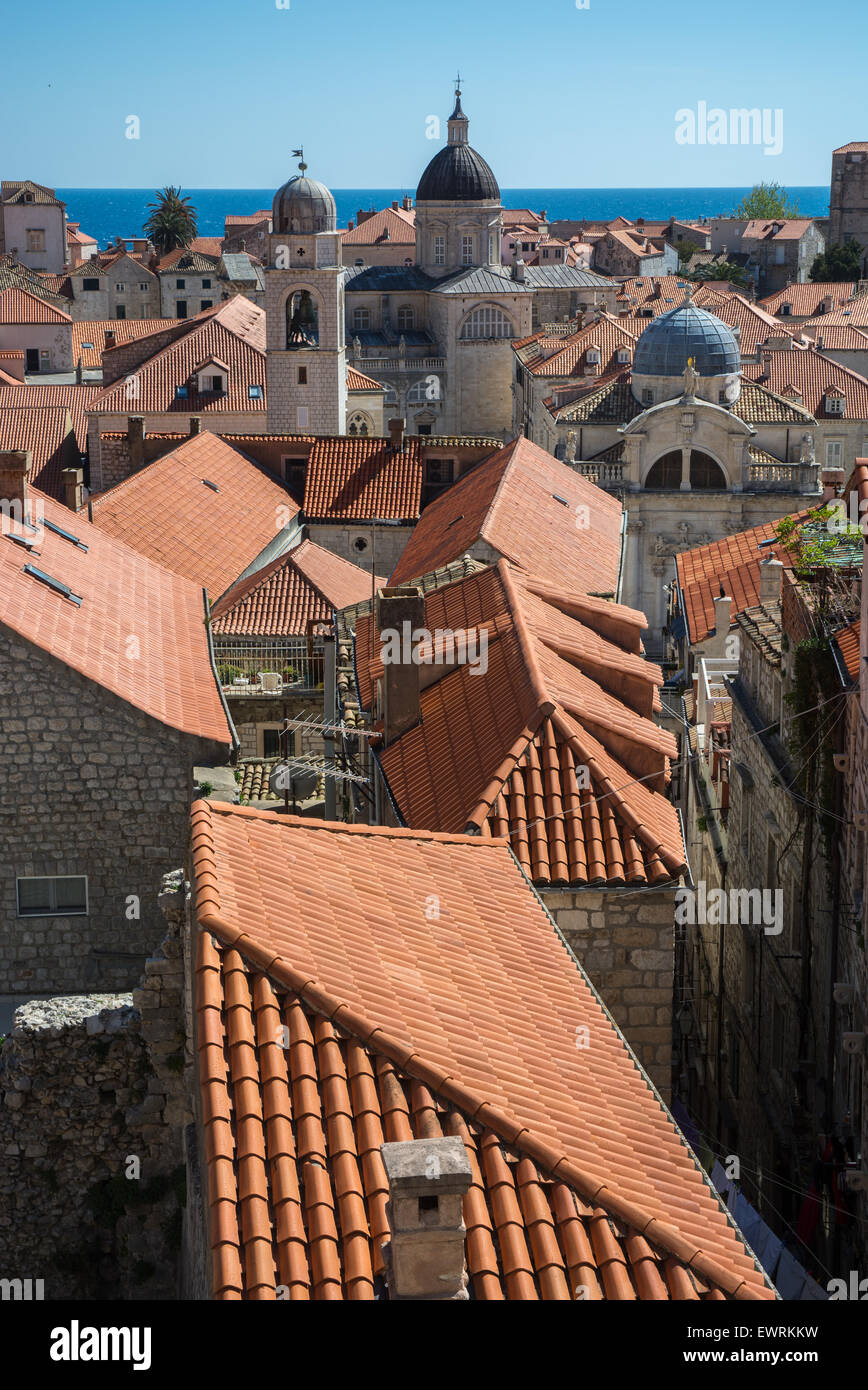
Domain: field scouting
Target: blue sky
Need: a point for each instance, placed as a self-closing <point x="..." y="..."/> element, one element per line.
<point x="558" y="96"/>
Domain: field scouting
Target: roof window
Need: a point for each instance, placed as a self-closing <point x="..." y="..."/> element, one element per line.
<point x="208" y="483"/>
<point x="55" y="584"/>
<point x="67" y="535"/>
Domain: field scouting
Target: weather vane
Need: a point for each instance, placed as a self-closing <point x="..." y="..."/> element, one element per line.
<point x="458" y="85"/>
<point x="299" y="154"/>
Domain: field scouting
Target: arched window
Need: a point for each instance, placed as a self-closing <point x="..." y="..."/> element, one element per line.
<point x="359" y="423"/>
<point x="427" y="388"/>
<point x="666" y="472"/>
<point x="705" y="473"/>
<point x="391" y="396"/>
<point x="488" y="321"/>
<point x="406" y="318"/>
<point x="361" y="320"/>
<point x="302" y="320"/>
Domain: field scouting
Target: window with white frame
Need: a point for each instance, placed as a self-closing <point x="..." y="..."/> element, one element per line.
<point x="488" y="321"/>
<point x="467" y="250"/>
<point x="834" y="453"/>
<point x="835" y="404"/>
<point x="52" y="897"/>
<point x="302" y="417"/>
<point x="361" y="320"/>
<point x="439" y="250"/>
<point x="406" y="318"/>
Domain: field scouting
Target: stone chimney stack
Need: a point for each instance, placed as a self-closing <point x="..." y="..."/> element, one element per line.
<point x="195" y="424"/>
<point x="396" y="435"/>
<point x="400" y="612"/>
<point x="73" y="488"/>
<point x="111" y="337"/>
<point x="15" y="466"/>
<point x="771" y="580"/>
<point x="136" y="441"/>
<point x="722" y="618"/>
<point x="425" y="1256"/>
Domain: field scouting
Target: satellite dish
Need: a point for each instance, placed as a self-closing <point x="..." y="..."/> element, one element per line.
<point x="298" y="779"/>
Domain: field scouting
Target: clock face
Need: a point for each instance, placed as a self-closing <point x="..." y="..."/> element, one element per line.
<point x="731" y="387"/>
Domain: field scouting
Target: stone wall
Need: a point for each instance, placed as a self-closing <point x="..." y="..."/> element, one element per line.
<point x="625" y="942"/>
<point x="93" y="1112"/>
<point x="386" y="547"/>
<point x="92" y="786"/>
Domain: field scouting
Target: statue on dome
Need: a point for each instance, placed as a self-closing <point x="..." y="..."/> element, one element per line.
<point x="690" y="378"/>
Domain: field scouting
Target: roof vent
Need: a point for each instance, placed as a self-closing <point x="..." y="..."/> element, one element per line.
<point x="67" y="535"/>
<point x="563" y="501"/>
<point x="208" y="483"/>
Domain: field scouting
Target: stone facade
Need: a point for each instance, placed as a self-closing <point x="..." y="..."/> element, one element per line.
<point x="363" y="544"/>
<point x="625" y="942"/>
<point x="95" y="787"/>
<point x="848" y="199"/>
<point x="47" y="346"/>
<point x="93" y="1119"/>
<point x="127" y="289"/>
<point x="307" y="380"/>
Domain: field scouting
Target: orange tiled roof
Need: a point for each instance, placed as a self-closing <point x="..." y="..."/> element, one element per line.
<point x="47" y="395"/>
<point x="834" y="337"/>
<point x="849" y="641"/>
<point x="167" y="673"/>
<point x="234" y="331"/>
<point x="391" y="226"/>
<point x="788" y="229"/>
<point x="401" y="1027"/>
<point x="207" y="245"/>
<point x="806" y="299"/>
<point x="499" y="751"/>
<point x="166" y="511"/>
<point x="733" y="563"/>
<point x="282" y="598"/>
<point x="357" y="381"/>
<point x="362" y="477"/>
<point x="18" y="305"/>
<point x="569" y="356"/>
<point x="810" y="373"/>
<point x="94" y="331"/>
<point x="754" y="323"/>
<point x="44" y="432"/>
<point x="510" y="501"/>
<point x="658" y="292"/>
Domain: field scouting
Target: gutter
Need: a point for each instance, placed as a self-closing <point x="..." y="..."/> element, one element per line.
<point x="236" y="742"/>
<point x="621" y="556"/>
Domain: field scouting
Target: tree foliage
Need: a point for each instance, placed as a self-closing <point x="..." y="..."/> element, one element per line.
<point x="766" y="201"/>
<point x="172" y="222"/>
<point x="839" y="263"/>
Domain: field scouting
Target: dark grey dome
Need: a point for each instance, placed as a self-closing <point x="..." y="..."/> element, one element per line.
<point x="304" y="206"/>
<point x="457" y="174"/>
<point x="668" y="341"/>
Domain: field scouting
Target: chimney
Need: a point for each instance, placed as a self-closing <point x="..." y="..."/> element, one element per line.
<point x="722" y="618"/>
<point x="15" y="465"/>
<point x="518" y="270"/>
<point x="427" y="1181"/>
<point x="767" y="363"/>
<point x="771" y="579"/>
<point x="407" y="203"/>
<point x="73" y="488"/>
<point x="111" y="337"/>
<point x="395" y="205"/>
<point x="396" y="435"/>
<point x="136" y="441"/>
<point x="400" y="612"/>
<point x="828" y="305"/>
<point x="351" y="224"/>
<point x="195" y="424"/>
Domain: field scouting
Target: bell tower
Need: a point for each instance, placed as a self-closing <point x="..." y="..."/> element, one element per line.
<point x="304" y="296"/>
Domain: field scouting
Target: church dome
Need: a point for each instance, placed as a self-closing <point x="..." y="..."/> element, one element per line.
<point x="670" y="340"/>
<point x="304" y="206"/>
<point x="457" y="173"/>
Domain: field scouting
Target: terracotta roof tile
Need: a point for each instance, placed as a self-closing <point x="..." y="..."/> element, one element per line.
<point x="579" y="1174"/>
<point x="233" y="331"/>
<point x="125" y="331"/>
<point x="46" y="431"/>
<point x="47" y="395"/>
<point x="811" y="374"/>
<point x="282" y="598"/>
<point x="806" y="299"/>
<point x="392" y="226"/>
<point x="552" y="744"/>
<point x="849" y="640"/>
<point x="357" y="381"/>
<point x="167" y="512"/>
<point x="20" y="306"/>
<point x="361" y="478"/>
<point x="512" y="502"/>
<point x="166" y="671"/>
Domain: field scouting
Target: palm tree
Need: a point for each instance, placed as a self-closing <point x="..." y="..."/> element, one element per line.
<point x="172" y="222"/>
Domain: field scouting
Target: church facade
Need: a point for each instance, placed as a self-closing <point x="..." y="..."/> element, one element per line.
<point x="437" y="331"/>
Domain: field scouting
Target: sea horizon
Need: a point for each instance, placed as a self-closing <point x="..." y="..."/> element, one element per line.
<point x="107" y="213"/>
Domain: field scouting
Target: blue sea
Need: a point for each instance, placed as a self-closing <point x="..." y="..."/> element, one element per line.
<point x="106" y="213"/>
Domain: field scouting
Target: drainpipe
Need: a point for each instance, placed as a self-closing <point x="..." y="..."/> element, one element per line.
<point x="329" y="687"/>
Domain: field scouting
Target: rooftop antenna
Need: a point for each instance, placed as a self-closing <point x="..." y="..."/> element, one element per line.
<point x="299" y="154"/>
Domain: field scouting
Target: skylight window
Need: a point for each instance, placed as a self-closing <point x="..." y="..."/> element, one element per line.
<point x="55" y="584"/>
<point x="208" y="483"/>
<point x="87" y="345"/>
<point x="67" y="535"/>
<point x="181" y="393"/>
<point x="563" y="501"/>
<point x="21" y="540"/>
<point x="255" y="393"/>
